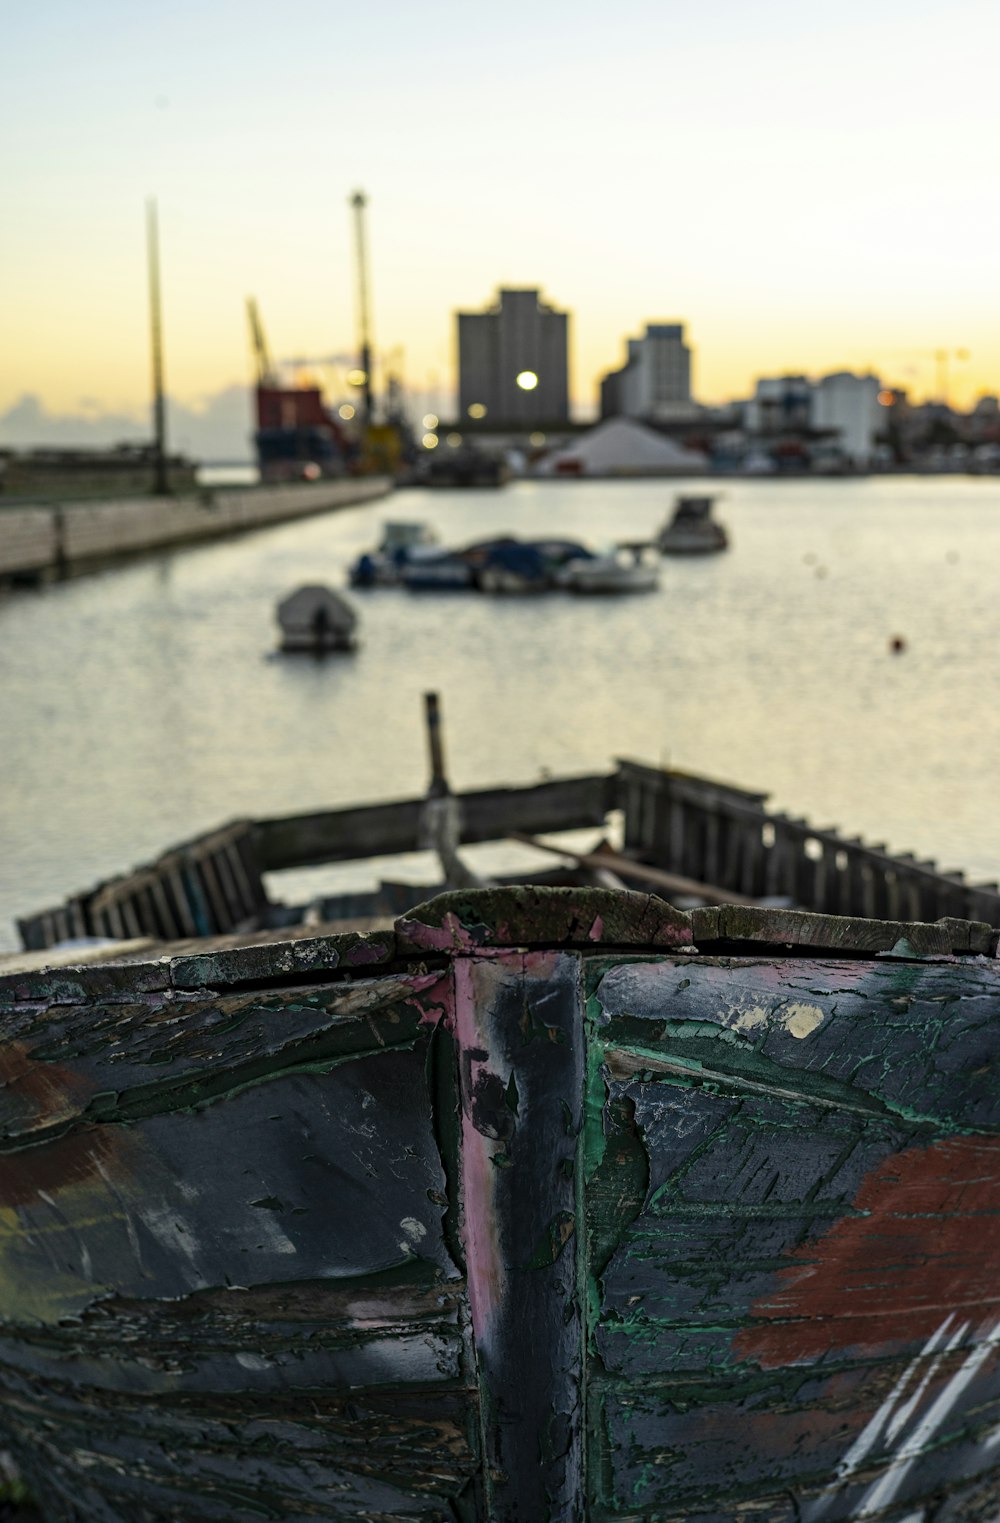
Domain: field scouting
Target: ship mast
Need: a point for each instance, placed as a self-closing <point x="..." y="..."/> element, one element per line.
<point x="359" y="201"/>
<point x="161" y="487"/>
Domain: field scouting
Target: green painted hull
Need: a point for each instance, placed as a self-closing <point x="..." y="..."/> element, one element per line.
<point x="550" y="1205"/>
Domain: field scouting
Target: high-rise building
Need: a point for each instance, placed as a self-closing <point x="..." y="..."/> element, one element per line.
<point x="513" y="362"/>
<point x="655" y="382"/>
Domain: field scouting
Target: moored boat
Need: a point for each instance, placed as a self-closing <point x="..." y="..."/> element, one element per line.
<point x="437" y="570"/>
<point x="691" y="529"/>
<point x="535" y="1202"/>
<point x="625" y="568"/>
<point x="463" y="466"/>
<point x="401" y="540"/>
<point x="318" y="620"/>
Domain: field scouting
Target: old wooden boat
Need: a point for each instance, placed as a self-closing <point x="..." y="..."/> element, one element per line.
<point x="535" y="1203"/>
<point x="548" y="1203"/>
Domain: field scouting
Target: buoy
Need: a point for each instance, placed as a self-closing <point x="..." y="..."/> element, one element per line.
<point x="897" y="645"/>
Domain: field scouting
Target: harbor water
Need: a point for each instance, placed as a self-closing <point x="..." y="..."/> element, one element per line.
<point x="146" y="703"/>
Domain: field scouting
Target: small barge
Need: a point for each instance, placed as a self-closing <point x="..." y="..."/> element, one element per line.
<point x="691" y="529"/>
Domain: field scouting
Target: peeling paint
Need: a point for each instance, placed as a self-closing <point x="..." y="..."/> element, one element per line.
<point x="576" y="1227"/>
<point x="800" y="1020"/>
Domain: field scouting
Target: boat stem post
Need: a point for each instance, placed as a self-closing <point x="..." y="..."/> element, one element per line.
<point x="435" y="741"/>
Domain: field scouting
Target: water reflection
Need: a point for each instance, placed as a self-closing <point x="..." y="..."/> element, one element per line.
<point x="145" y="703"/>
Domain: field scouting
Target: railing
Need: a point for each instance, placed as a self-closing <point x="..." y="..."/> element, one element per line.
<point x="725" y="836"/>
<point x="207" y="887"/>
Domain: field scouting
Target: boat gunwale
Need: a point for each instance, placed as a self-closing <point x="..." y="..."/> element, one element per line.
<point x="484" y="921"/>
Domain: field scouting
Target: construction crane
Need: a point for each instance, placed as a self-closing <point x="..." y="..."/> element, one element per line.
<point x="358" y="202"/>
<point x="266" y="373"/>
<point x="940" y="358"/>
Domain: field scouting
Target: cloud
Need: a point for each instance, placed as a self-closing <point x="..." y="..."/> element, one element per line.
<point x="220" y="428"/>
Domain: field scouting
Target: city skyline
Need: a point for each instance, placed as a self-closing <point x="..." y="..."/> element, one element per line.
<point x="805" y="193"/>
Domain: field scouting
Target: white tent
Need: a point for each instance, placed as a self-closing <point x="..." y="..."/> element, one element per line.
<point x="622" y="447"/>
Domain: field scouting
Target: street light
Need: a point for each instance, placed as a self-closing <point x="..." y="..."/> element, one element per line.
<point x="527" y="380"/>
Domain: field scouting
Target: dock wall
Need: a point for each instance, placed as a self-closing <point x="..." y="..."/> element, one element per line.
<point x="57" y="538"/>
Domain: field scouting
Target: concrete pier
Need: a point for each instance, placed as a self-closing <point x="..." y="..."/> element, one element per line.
<point x="56" y="538"/>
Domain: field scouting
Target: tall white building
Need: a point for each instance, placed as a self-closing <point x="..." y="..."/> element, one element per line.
<point x="513" y="362"/>
<point x="849" y="403"/>
<point x="655" y="382"/>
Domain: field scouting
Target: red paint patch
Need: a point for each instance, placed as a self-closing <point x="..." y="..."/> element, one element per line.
<point x="926" y="1242"/>
<point x="57" y="1167"/>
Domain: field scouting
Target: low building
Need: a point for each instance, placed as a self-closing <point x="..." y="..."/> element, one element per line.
<point x="830" y="423"/>
<point x="622" y="447"/>
<point x="655" y="382"/>
<point x="780" y="404"/>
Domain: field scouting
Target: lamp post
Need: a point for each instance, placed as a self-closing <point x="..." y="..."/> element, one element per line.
<point x="161" y="486"/>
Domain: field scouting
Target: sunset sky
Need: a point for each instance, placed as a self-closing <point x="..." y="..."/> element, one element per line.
<point x="808" y="186"/>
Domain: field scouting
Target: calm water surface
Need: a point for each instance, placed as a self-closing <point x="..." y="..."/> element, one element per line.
<point x="144" y="704"/>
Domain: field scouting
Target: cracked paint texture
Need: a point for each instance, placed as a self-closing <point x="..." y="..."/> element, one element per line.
<point x="552" y="1219"/>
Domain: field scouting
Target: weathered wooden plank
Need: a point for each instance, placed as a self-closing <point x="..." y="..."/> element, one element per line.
<point x="331" y="1452"/>
<point x="800" y="928"/>
<point x="103" y="1063"/>
<point x="330" y="1378"/>
<point x="566" y="1221"/>
<point x="267" y="962"/>
<point x="878" y="883"/>
<point x="467" y="920"/>
<point x="672" y="883"/>
<point x="517" y="1022"/>
<point x="384" y="829"/>
<point x="794" y="1211"/>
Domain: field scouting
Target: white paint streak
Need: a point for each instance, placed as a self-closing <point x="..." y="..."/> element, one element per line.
<point x="133" y="1236"/>
<point x="867" y="1438"/>
<point x="750" y="1020"/>
<point x="175" y="1236"/>
<point x="252" y="1362"/>
<point x="902" y="1462"/>
<point x="894" y="1422"/>
<point x="275" y="1241"/>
